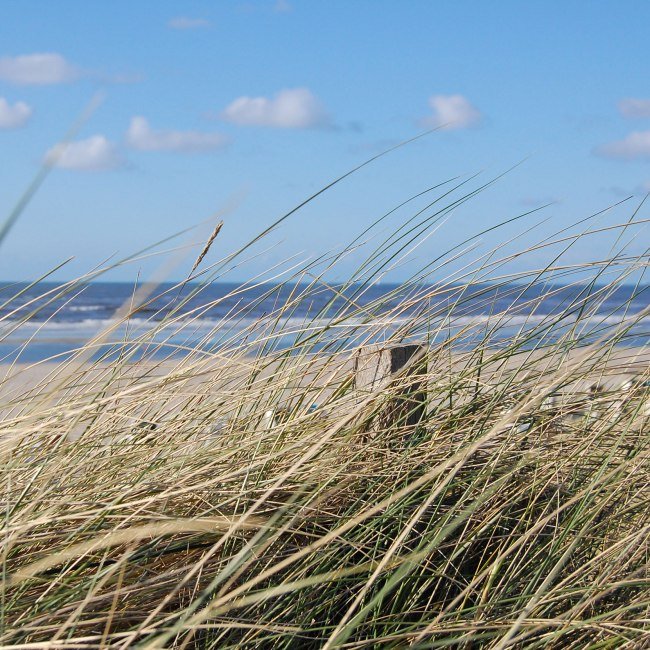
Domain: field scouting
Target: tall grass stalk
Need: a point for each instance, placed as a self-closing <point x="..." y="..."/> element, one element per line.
<point x="150" y="499"/>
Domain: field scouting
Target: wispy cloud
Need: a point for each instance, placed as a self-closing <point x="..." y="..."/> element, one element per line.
<point x="538" y="201"/>
<point x="625" y="192"/>
<point x="295" y="108"/>
<point x="282" y="7"/>
<point x="451" y="112"/>
<point x="141" y="136"/>
<point x="634" y="108"/>
<point x="37" y="69"/>
<point x="13" y="116"/>
<point x="373" y="147"/>
<point x="92" y="154"/>
<point x="121" y="78"/>
<point x="185" y="22"/>
<point x="634" y="146"/>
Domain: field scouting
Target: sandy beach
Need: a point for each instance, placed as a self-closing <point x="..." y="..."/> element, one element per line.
<point x="174" y="383"/>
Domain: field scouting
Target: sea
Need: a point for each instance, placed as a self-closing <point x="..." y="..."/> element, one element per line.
<point x="52" y="322"/>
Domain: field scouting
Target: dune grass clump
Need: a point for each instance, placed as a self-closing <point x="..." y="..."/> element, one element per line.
<point x="249" y="493"/>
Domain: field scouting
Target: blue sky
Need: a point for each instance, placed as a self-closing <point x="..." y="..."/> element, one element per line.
<point x="253" y="106"/>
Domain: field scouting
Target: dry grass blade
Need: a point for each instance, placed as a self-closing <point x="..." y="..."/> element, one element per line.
<point x="240" y="487"/>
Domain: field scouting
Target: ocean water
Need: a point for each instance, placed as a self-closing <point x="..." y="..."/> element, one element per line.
<point x="52" y="321"/>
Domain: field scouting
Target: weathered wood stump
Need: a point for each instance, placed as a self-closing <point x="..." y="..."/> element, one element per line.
<point x="399" y="371"/>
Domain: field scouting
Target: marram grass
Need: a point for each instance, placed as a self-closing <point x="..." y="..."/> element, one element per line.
<point x="201" y="502"/>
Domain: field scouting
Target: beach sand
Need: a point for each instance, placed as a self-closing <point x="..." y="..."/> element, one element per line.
<point x="20" y="383"/>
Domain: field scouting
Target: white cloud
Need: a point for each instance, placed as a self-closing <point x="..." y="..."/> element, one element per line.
<point x="37" y="69"/>
<point x="185" y="22"/>
<point x="12" y="117"/>
<point x="295" y="108"/>
<point x="631" y="107"/>
<point x="635" y="145"/>
<point x="141" y="136"/>
<point x="93" y="154"/>
<point x="451" y="112"/>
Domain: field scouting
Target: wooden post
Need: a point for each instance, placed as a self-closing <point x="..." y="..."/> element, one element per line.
<point x="382" y="368"/>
